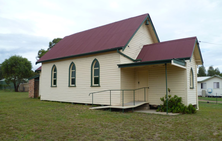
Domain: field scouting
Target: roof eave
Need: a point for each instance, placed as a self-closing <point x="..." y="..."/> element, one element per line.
<point x="148" y="16"/>
<point x="196" y="42"/>
<point x="210" y="78"/>
<point x="148" y="63"/>
<point x="36" y="76"/>
<point x="83" y="54"/>
<point x="154" y="28"/>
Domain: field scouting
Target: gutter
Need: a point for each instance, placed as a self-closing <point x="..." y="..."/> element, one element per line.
<point x="148" y="63"/>
<point x="77" y="55"/>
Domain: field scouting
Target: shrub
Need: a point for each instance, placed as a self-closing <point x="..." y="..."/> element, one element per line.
<point x="175" y="105"/>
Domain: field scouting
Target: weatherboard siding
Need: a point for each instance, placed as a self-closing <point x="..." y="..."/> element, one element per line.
<point x="157" y="83"/>
<point x="192" y="93"/>
<point x="125" y="60"/>
<point x="141" y="80"/>
<point x="109" y="79"/>
<point x="210" y="85"/>
<point x="154" y="78"/>
<point x="127" y="82"/>
<point x="142" y="37"/>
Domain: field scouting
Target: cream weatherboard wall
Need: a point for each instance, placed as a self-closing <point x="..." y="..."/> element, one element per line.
<point x="157" y="83"/>
<point x="192" y="96"/>
<point x="154" y="77"/>
<point x="141" y="38"/>
<point x="127" y="82"/>
<point x="109" y="79"/>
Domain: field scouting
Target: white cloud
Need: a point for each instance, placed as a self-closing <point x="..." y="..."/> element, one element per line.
<point x="27" y="23"/>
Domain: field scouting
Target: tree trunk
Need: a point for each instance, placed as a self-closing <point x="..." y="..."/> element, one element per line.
<point x="16" y="90"/>
<point x="16" y="86"/>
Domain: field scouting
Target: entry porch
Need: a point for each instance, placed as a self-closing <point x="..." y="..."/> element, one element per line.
<point x="145" y="84"/>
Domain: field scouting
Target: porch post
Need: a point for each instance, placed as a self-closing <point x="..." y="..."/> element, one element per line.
<point x="166" y="87"/>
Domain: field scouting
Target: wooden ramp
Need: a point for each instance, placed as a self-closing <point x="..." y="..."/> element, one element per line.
<point x="126" y="105"/>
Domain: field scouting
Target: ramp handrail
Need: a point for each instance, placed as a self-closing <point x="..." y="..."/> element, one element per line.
<point x="122" y="93"/>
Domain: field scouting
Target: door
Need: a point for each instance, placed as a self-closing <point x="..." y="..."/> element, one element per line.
<point x="141" y="81"/>
<point x="36" y="89"/>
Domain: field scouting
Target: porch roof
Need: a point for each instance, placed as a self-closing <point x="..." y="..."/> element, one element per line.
<point x="144" y="63"/>
<point x="175" y="62"/>
<point x="179" y="49"/>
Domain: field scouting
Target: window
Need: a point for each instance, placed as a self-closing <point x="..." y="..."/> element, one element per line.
<point x="54" y="76"/>
<point x="191" y="79"/>
<point x="72" y="74"/>
<point x="203" y="86"/>
<point x="95" y="70"/>
<point x="216" y="85"/>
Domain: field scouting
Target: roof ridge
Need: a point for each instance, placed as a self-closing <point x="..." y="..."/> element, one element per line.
<point x="103" y="38"/>
<point x="105" y="25"/>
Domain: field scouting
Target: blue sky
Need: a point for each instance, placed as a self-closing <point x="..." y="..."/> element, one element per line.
<point x="27" y="26"/>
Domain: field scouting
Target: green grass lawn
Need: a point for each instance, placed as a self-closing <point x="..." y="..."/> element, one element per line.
<point x="210" y="98"/>
<point x="23" y="118"/>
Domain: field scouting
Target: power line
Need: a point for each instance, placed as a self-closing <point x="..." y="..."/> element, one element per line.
<point x="209" y="43"/>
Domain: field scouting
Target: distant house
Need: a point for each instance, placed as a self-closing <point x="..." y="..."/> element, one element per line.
<point x="122" y="62"/>
<point x="23" y="86"/>
<point x="211" y="85"/>
<point x="4" y="85"/>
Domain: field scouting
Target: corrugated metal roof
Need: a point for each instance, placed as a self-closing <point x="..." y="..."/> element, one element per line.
<point x="106" y="37"/>
<point x="181" y="48"/>
<point x="203" y="78"/>
<point x="39" y="69"/>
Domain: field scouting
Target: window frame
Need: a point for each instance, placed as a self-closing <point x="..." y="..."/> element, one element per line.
<point x="52" y="76"/>
<point x="70" y="74"/>
<point x="202" y="85"/>
<point x="191" y="79"/>
<point x="216" y="85"/>
<point x="92" y="73"/>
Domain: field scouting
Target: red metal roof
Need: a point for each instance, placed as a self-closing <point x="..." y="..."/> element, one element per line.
<point x="39" y="69"/>
<point x="181" y="48"/>
<point x="111" y="36"/>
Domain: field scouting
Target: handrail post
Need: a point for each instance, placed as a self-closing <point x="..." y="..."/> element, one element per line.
<point x="134" y="97"/>
<point x="110" y="97"/>
<point x="144" y="94"/>
<point x="122" y="98"/>
<point x="92" y="99"/>
<point x="166" y="89"/>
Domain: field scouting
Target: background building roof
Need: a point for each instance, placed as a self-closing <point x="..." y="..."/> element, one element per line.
<point x="204" y="78"/>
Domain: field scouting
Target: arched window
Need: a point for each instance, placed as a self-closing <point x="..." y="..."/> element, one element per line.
<point x="72" y="75"/>
<point x="95" y="73"/>
<point x="54" y="76"/>
<point x="191" y="79"/>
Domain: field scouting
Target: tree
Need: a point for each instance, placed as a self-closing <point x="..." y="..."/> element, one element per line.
<point x="217" y="71"/>
<point x="1" y="76"/>
<point x="201" y="71"/>
<point x="42" y="52"/>
<point x="54" y="42"/>
<point x="15" y="70"/>
<point x="211" y="71"/>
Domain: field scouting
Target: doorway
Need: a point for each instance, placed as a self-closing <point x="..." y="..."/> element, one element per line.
<point x="141" y="81"/>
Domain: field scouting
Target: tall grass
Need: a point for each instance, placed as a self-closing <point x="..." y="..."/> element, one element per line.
<point x="22" y="118"/>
